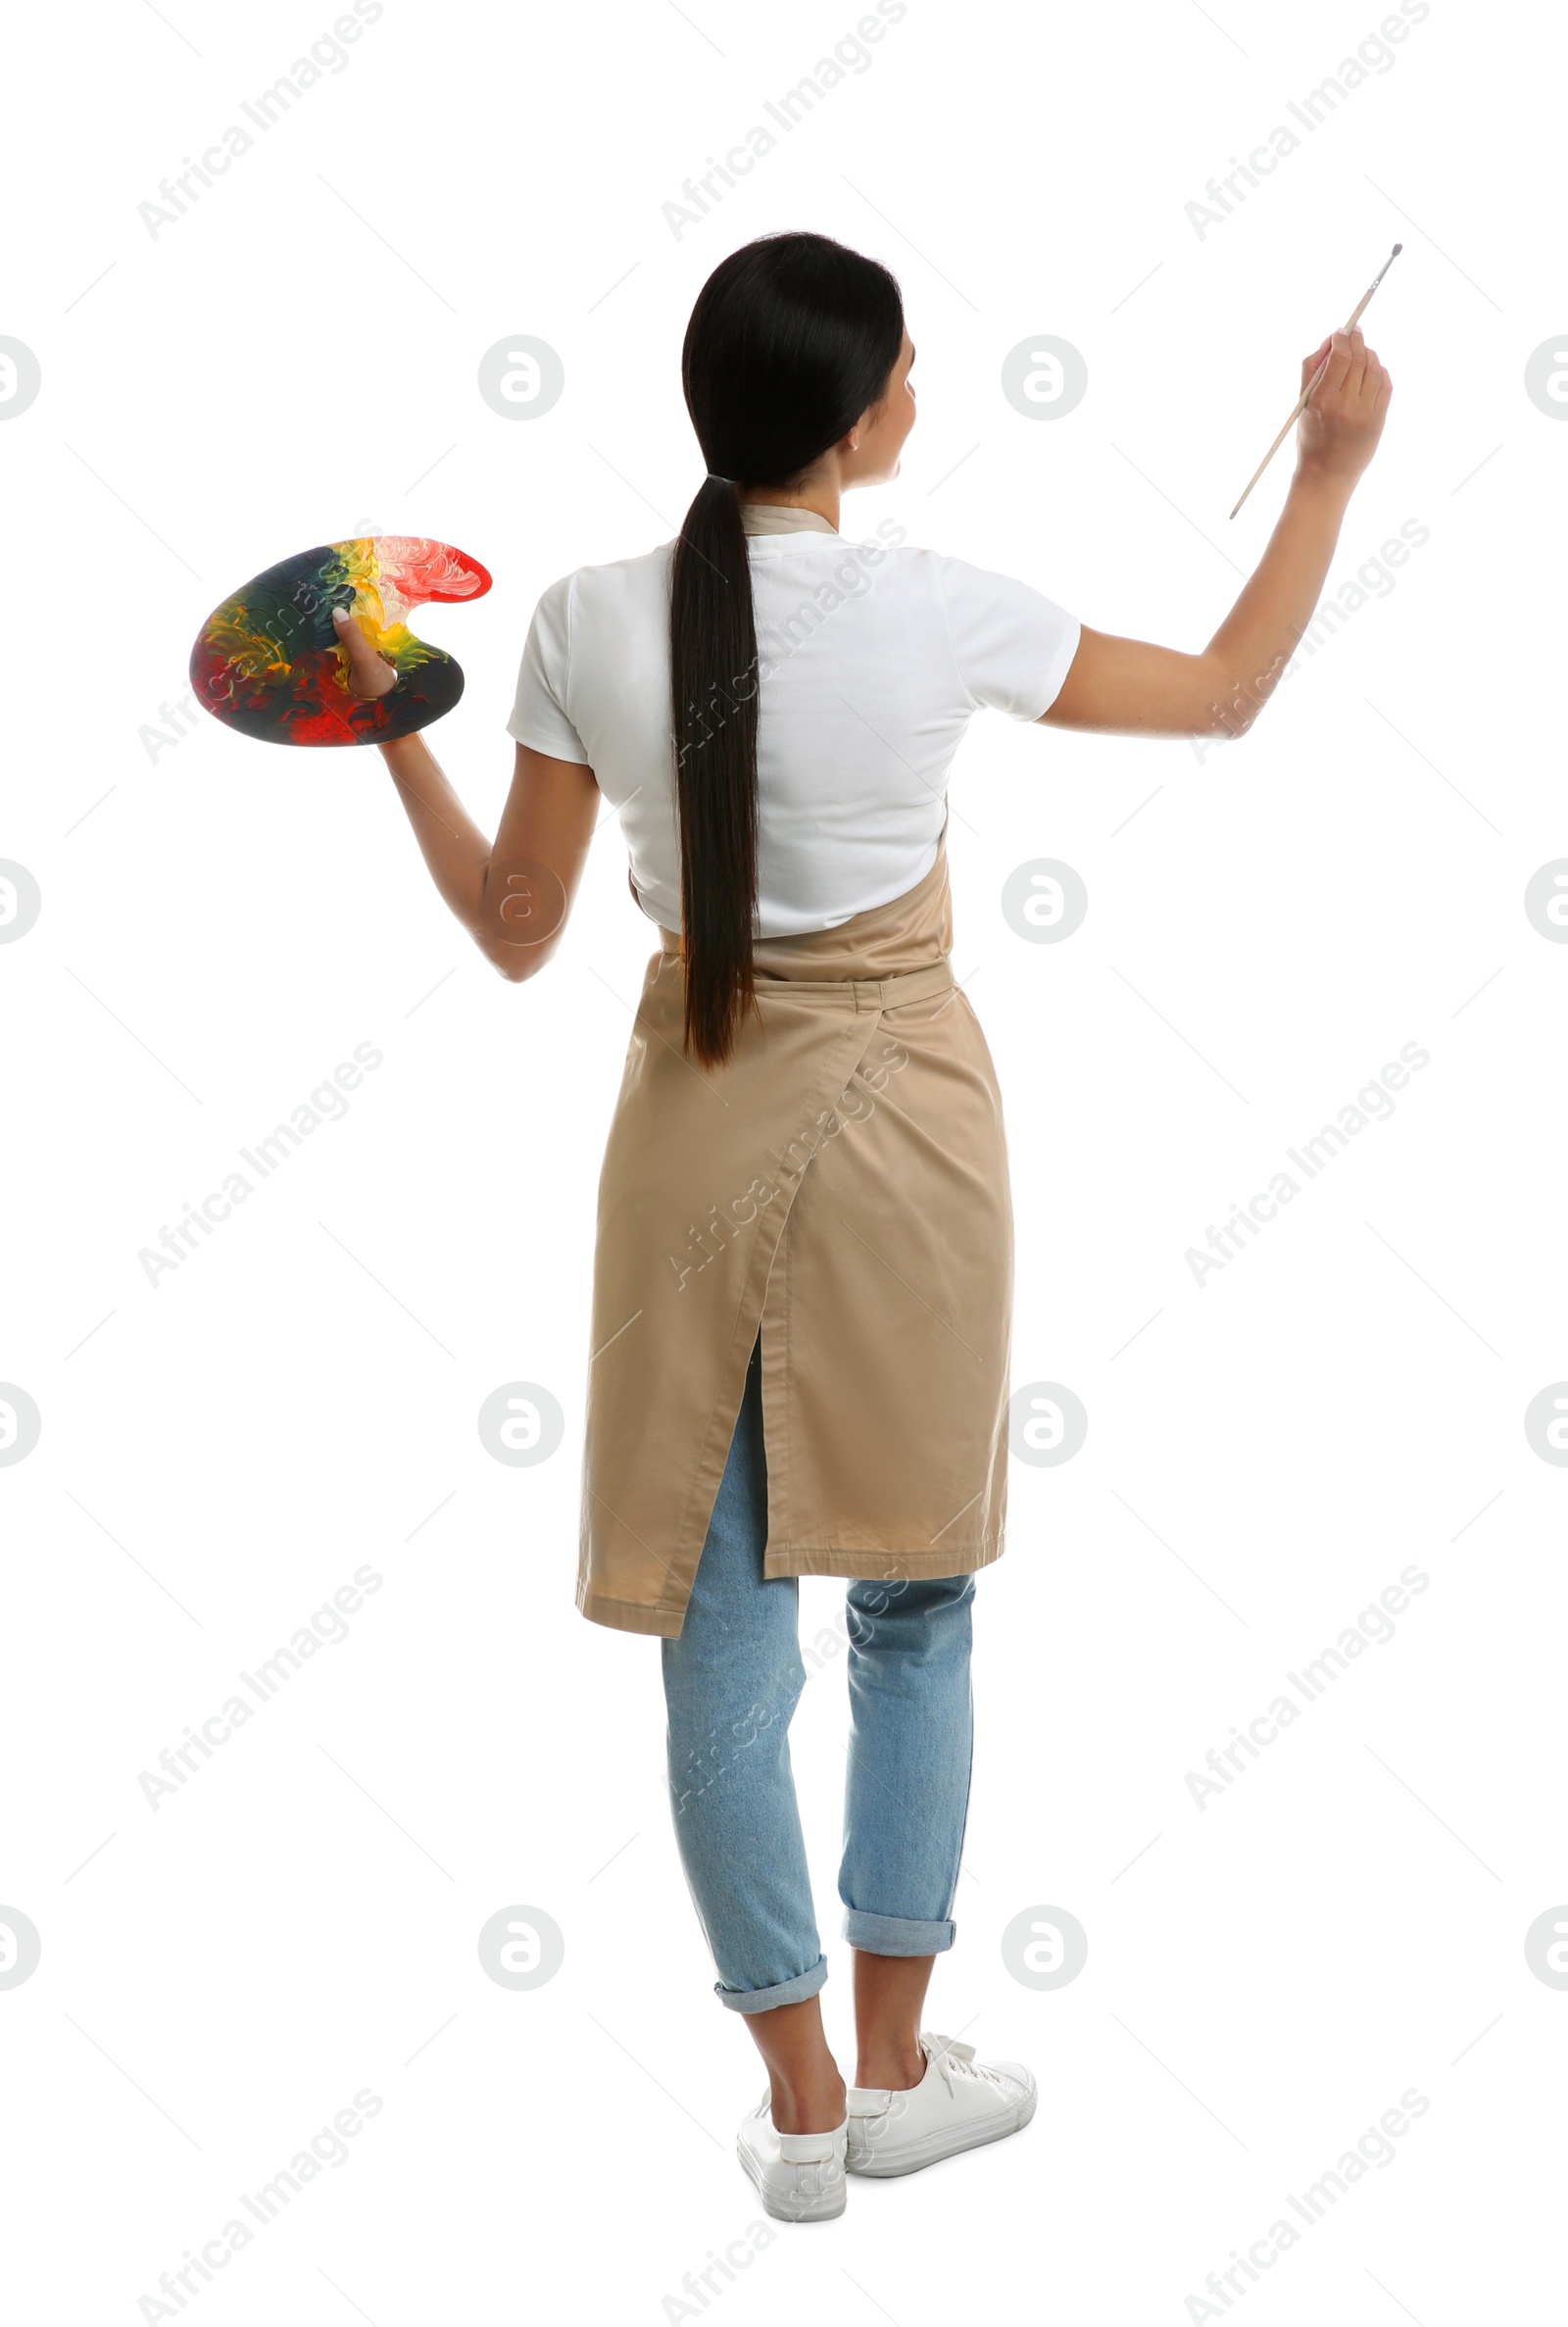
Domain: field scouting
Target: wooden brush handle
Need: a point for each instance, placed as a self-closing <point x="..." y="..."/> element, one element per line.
<point x="1300" y="402"/>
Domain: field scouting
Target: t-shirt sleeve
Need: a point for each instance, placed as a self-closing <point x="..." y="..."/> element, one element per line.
<point x="1013" y="646"/>
<point x="539" y="715"/>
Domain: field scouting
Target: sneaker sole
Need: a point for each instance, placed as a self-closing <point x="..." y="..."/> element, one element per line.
<point x="934" y="2146"/>
<point x="825" y="2207"/>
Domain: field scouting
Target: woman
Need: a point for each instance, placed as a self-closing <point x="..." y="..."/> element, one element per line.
<point x="803" y="1273"/>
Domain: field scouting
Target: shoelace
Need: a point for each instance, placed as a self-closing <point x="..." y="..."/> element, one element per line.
<point x="958" y="2061"/>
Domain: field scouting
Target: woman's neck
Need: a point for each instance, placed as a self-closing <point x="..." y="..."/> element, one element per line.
<point x="822" y="501"/>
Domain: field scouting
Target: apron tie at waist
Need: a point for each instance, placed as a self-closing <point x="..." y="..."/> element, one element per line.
<point x="867" y="993"/>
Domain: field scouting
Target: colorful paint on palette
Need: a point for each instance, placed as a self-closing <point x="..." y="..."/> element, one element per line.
<point x="268" y="662"/>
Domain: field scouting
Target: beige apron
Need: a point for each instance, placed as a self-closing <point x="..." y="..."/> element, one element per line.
<point x="841" y="1184"/>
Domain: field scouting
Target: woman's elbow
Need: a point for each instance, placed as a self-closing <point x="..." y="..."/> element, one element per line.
<point x="1231" y="705"/>
<point x="521" y="915"/>
<point x="518" y="963"/>
<point x="1221" y="721"/>
<point x="510" y="957"/>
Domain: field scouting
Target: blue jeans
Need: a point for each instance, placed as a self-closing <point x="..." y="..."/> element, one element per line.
<point x="732" y="1681"/>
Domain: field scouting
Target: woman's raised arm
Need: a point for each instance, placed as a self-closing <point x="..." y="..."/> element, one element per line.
<point x="513" y="897"/>
<point x="1127" y="687"/>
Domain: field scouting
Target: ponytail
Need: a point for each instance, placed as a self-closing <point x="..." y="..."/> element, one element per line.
<point x="791" y="340"/>
<point x="712" y="664"/>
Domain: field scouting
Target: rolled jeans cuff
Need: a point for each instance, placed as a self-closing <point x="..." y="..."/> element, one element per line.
<point x="766" y="2000"/>
<point x="893" y="1935"/>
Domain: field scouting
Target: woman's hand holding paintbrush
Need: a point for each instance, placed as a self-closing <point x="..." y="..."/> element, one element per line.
<point x="1347" y="393"/>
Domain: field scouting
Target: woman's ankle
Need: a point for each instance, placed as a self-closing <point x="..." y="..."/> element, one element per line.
<point x="895" y="2065"/>
<point x="888" y="2010"/>
<point x="817" y="2106"/>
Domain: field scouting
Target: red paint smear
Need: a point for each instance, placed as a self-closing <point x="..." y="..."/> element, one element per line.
<point x="426" y="578"/>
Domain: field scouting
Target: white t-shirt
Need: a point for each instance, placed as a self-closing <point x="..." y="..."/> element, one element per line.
<point x="873" y="658"/>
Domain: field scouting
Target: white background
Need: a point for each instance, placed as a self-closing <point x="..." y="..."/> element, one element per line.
<point x="222" y="924"/>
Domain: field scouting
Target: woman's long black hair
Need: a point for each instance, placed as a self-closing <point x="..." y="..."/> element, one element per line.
<point x="791" y="340"/>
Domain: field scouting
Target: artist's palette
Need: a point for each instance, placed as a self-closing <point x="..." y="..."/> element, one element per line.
<point x="267" y="661"/>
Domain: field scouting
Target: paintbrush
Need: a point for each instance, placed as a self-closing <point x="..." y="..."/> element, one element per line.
<point x="1300" y="404"/>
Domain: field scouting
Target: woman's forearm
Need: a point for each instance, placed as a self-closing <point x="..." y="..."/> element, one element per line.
<point x="452" y="843"/>
<point x="1125" y="686"/>
<point x="512" y="894"/>
<point x="1251" y="647"/>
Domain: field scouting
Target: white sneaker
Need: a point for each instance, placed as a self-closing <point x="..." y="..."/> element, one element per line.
<point x="960" y="2103"/>
<point x="799" y="2176"/>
